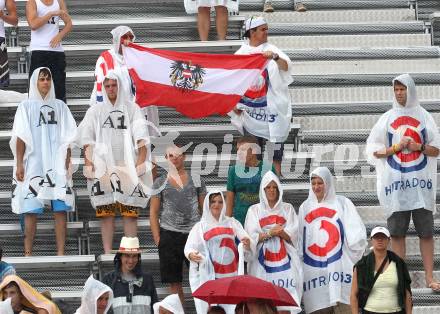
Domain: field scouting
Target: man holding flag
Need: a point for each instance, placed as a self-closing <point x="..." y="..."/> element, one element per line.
<point x="265" y="110"/>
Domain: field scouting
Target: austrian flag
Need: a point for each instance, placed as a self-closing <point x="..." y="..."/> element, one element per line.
<point x="195" y="84"/>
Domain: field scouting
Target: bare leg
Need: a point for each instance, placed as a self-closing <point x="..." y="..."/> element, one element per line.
<point x="130" y="226"/>
<point x="427" y="252"/>
<point x="398" y="246"/>
<point x="60" y="231"/>
<point x="107" y="230"/>
<point x="221" y="20"/>
<point x="30" y="228"/>
<point x="176" y="287"/>
<point x="204" y="22"/>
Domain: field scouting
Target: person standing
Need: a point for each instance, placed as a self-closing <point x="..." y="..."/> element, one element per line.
<point x="332" y="237"/>
<point x="381" y="281"/>
<point x="404" y="145"/>
<point x="43" y="17"/>
<point x="43" y="132"/>
<point x="10" y="18"/>
<point x="174" y="210"/>
<point x="114" y="136"/>
<point x="113" y="59"/>
<point x="273" y="225"/>
<point x="265" y="110"/>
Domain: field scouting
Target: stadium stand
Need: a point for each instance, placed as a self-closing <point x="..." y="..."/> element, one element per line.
<point x="345" y="55"/>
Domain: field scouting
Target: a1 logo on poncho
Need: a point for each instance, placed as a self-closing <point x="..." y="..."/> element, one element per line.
<point x="322" y="254"/>
<point x="402" y="161"/>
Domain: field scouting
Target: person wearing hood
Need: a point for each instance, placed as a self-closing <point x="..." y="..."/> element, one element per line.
<point x="113" y="59"/>
<point x="24" y="298"/>
<point x="273" y="225"/>
<point x="134" y="291"/>
<point x="212" y="248"/>
<point x="97" y="298"/>
<point x="43" y="17"/>
<point x="114" y="136"/>
<point x="265" y="110"/>
<point x="170" y="305"/>
<point x="332" y="238"/>
<point x="43" y="131"/>
<point x="404" y="145"/>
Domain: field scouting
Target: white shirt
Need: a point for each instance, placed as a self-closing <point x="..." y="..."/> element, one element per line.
<point x="2" y="23"/>
<point x="41" y="37"/>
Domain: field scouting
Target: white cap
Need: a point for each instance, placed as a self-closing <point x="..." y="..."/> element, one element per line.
<point x="253" y="22"/>
<point x="170" y="303"/>
<point x="379" y="229"/>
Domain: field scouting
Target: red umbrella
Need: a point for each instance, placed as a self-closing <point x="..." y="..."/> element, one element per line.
<point x="236" y="289"/>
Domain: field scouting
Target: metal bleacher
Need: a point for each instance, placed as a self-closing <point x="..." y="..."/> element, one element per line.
<point x="345" y="54"/>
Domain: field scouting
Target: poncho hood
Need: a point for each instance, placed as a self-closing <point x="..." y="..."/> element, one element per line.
<point x="329" y="185"/>
<point x="207" y="217"/>
<point x="268" y="178"/>
<point x="93" y="289"/>
<point x="411" y="93"/>
<point x="34" y="93"/>
<point x="117" y="33"/>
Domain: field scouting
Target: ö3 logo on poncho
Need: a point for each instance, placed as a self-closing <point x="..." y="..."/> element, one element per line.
<point x="407" y="161"/>
<point x="316" y="255"/>
<point x="271" y="260"/>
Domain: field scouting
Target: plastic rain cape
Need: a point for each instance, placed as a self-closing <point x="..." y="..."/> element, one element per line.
<point x="47" y="128"/>
<point x="332" y="238"/>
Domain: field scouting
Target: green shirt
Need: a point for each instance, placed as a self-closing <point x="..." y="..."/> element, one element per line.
<point x="246" y="187"/>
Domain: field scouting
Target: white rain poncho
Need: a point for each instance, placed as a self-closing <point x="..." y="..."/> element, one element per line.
<point x="9" y="96"/>
<point x="276" y="260"/>
<point x="216" y="240"/>
<point x="266" y="108"/>
<point x="191" y="6"/>
<point x="5" y="307"/>
<point x="47" y="128"/>
<point x="332" y="238"/>
<point x="93" y="290"/>
<point x="113" y="132"/>
<point x="406" y="180"/>
<point x="171" y="303"/>
<point x="113" y="60"/>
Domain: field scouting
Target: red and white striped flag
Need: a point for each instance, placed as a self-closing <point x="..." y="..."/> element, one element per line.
<point x="195" y="84"/>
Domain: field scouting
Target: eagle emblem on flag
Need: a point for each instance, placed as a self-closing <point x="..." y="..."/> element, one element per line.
<point x="186" y="76"/>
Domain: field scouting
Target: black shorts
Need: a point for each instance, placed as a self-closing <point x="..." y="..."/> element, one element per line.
<point x="171" y="255"/>
<point x="398" y="222"/>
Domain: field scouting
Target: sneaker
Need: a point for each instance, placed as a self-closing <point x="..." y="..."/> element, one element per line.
<point x="299" y="7"/>
<point x="268" y="8"/>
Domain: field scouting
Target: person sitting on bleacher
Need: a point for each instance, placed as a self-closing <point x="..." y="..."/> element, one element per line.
<point x="170" y="305"/>
<point x="114" y="136"/>
<point x="97" y="298"/>
<point x="404" y="145"/>
<point x="40" y="142"/>
<point x="43" y="17"/>
<point x="10" y="18"/>
<point x="332" y="238"/>
<point x="5" y="268"/>
<point x="24" y="298"/>
<point x="113" y="59"/>
<point x="133" y="290"/>
<point x="265" y="110"/>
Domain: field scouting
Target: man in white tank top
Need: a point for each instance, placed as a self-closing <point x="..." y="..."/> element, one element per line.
<point x="10" y="18"/>
<point x="43" y="17"/>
